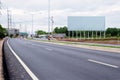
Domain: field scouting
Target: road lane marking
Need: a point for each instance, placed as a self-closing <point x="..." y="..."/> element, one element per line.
<point x="32" y="75"/>
<point x="102" y="63"/>
<point x="34" y="44"/>
<point x="48" y="49"/>
<point x="45" y="47"/>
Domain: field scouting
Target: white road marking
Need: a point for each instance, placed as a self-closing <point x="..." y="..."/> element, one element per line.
<point x="102" y="63"/>
<point x="40" y="46"/>
<point x="48" y="49"/>
<point x="34" y="44"/>
<point x="32" y="75"/>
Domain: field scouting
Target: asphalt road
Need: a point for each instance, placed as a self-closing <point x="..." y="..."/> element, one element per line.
<point x="49" y="61"/>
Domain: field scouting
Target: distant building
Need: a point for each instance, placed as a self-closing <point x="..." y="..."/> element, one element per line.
<point x="59" y="36"/>
<point x="23" y="34"/>
<point x="13" y="31"/>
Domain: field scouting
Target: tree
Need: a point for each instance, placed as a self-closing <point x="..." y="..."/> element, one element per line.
<point x="112" y="32"/>
<point x="61" y="30"/>
<point x="56" y="30"/>
<point x="3" y="32"/>
<point x="40" y="32"/>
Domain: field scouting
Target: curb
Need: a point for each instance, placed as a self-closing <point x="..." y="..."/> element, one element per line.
<point x="1" y="60"/>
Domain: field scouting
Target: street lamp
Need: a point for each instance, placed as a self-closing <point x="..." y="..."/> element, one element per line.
<point x="32" y="21"/>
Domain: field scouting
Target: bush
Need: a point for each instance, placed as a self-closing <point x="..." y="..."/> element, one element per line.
<point x="2" y="35"/>
<point x="2" y="32"/>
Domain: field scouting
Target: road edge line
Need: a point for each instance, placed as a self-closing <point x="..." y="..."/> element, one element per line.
<point x="32" y="75"/>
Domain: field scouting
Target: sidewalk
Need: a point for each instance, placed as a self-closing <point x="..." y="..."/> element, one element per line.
<point x="1" y="67"/>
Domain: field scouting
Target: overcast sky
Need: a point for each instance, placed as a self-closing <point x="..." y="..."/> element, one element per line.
<point x="22" y="11"/>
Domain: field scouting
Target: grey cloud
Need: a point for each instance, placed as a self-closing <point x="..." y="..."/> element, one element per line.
<point x="73" y="6"/>
<point x="27" y="4"/>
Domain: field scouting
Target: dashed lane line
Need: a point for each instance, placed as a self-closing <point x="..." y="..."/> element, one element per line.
<point x="102" y="63"/>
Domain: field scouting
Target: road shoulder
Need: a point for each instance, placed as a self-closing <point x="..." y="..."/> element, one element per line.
<point x="1" y="66"/>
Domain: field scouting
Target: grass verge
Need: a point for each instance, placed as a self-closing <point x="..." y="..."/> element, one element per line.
<point x="76" y="43"/>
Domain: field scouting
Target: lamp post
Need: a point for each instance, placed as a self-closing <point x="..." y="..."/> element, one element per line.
<point x="32" y="22"/>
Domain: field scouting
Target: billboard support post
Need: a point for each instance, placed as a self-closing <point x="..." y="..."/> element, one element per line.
<point x="104" y="34"/>
<point x="72" y="34"/>
<point x="69" y="34"/>
<point x="80" y="34"/>
<point x="88" y="34"/>
<point x="92" y="34"/>
<point x="84" y="34"/>
<point x="76" y="34"/>
<point x="100" y="35"/>
<point x="96" y="34"/>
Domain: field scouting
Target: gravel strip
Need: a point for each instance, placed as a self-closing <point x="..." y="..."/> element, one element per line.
<point x="14" y="68"/>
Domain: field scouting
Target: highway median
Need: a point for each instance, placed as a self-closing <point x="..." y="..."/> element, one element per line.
<point x="94" y="46"/>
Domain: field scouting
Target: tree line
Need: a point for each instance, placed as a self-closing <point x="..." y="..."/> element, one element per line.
<point x="113" y="32"/>
<point x="110" y="32"/>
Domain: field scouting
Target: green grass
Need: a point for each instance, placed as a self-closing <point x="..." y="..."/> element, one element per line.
<point x="102" y="45"/>
<point x="99" y="45"/>
<point x="75" y="43"/>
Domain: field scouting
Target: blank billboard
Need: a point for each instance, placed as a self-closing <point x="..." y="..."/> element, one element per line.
<point x="86" y="23"/>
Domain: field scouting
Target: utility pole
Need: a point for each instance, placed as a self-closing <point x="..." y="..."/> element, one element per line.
<point x="52" y="21"/>
<point x="32" y="24"/>
<point x="48" y="16"/>
<point x="8" y="21"/>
